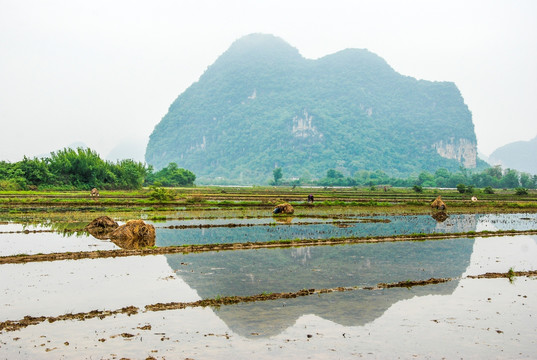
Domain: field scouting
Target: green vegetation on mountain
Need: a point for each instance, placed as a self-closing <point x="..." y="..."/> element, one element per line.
<point x="262" y="106"/>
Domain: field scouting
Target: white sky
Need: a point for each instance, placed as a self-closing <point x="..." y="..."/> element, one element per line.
<point x="105" y="72"/>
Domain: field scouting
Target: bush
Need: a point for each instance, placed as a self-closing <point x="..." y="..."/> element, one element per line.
<point x="161" y="194"/>
<point x="521" y="191"/>
<point x="461" y="188"/>
<point x="417" y="188"/>
<point x="488" y="190"/>
<point x="9" y="185"/>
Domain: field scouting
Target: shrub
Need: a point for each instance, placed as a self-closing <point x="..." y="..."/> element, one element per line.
<point x="417" y="188"/>
<point x="461" y="188"/>
<point x="161" y="194"/>
<point x="488" y="190"/>
<point x="521" y="191"/>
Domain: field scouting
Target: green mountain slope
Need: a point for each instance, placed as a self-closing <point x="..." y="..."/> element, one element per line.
<point x="262" y="105"/>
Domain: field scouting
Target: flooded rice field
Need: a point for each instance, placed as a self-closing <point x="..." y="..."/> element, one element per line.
<point x="53" y="237"/>
<point x="320" y="302"/>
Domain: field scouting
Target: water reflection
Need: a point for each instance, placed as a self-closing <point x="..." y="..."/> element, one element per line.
<point x="355" y="308"/>
<point x="284" y="270"/>
<point x="440" y="216"/>
<point x="363" y="226"/>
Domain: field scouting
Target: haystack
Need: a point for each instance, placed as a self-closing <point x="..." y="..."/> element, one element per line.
<point x="438" y="204"/>
<point x="94" y="192"/>
<point x="284" y="208"/>
<point x="101" y="227"/>
<point x="135" y="234"/>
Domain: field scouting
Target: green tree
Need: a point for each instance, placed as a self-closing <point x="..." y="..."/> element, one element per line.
<point x="526" y="180"/>
<point x="35" y="171"/>
<point x="334" y="174"/>
<point x="277" y="174"/>
<point x="172" y="175"/>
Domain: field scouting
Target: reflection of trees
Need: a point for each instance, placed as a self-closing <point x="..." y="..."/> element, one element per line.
<point x="283" y="270"/>
<point x="66" y="228"/>
<point x="365" y="226"/>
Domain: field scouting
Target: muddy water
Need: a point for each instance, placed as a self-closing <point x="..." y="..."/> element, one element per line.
<point x="72" y="286"/>
<point x="464" y="318"/>
<point x="20" y="243"/>
<point x="289" y="269"/>
<point x="479" y="319"/>
<point x="360" y="227"/>
<point x="68" y="237"/>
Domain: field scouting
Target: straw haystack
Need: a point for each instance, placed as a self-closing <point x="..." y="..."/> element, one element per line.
<point x="94" y="192"/>
<point x="135" y="234"/>
<point x="101" y="227"/>
<point x="438" y="204"/>
<point x="284" y="208"/>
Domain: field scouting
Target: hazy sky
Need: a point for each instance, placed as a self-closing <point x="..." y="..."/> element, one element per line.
<point x="105" y="72"/>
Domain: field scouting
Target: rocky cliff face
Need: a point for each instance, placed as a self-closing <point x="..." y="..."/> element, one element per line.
<point x="261" y="103"/>
<point x="462" y="150"/>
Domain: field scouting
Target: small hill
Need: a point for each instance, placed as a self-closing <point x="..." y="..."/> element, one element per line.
<point x="519" y="155"/>
<point x="262" y="105"/>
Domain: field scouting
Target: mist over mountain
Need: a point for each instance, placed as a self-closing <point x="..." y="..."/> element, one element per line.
<point x="262" y="105"/>
<point x="518" y="155"/>
<point x="131" y="148"/>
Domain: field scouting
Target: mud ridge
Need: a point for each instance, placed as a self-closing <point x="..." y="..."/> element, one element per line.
<point x="207" y="226"/>
<point x="509" y="275"/>
<point x="14" y="325"/>
<point x="411" y="283"/>
<point x="25" y="258"/>
<point x="29" y="231"/>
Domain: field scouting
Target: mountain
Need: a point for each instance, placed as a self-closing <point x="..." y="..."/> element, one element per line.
<point x="519" y="155"/>
<point x="261" y="105"/>
<point x="131" y="148"/>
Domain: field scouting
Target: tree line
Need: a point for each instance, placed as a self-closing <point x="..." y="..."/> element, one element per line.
<point x="492" y="177"/>
<point x="83" y="169"/>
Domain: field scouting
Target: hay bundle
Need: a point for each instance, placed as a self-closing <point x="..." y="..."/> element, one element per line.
<point x="135" y="234"/>
<point x="438" y="204"/>
<point x="94" y="192"/>
<point x="101" y="227"/>
<point x="284" y="208"/>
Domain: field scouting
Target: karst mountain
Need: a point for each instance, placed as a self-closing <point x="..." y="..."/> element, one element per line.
<point x="262" y="105"/>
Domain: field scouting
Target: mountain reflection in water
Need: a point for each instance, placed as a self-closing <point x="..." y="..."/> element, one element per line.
<point x="363" y="226"/>
<point x="284" y="270"/>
